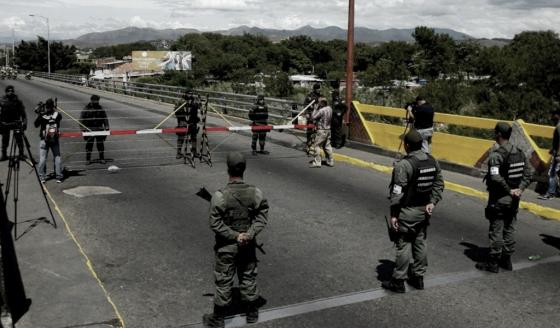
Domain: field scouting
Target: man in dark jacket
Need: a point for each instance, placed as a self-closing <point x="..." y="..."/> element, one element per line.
<point x="187" y="117"/>
<point x="94" y="118"/>
<point x="12" y="117"/>
<point x="259" y="117"/>
<point x="421" y="114"/>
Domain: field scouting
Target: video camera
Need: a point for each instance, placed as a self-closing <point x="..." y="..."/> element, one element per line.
<point x="411" y="104"/>
<point x="41" y="108"/>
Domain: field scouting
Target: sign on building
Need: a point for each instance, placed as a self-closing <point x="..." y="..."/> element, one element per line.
<point x="158" y="61"/>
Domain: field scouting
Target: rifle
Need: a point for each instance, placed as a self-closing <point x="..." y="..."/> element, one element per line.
<point x="207" y="196"/>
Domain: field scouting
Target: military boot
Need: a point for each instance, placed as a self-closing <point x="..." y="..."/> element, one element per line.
<point x="416" y="282"/>
<point x="252" y="312"/>
<point x="394" y="285"/>
<point x="491" y="265"/>
<point x="505" y="262"/>
<point x="4" y="155"/>
<point x="216" y="319"/>
<point x="102" y="157"/>
<point x="254" y="152"/>
<point x="88" y="158"/>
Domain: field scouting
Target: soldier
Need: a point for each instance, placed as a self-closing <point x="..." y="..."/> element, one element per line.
<point x="509" y="173"/>
<point x="187" y="117"/>
<point x="416" y="187"/>
<point x="259" y="117"/>
<point x="322" y="117"/>
<point x="238" y="213"/>
<point x="339" y="109"/>
<point x="94" y="118"/>
<point x="421" y="114"/>
<point x="310" y="133"/>
<point x="12" y="117"/>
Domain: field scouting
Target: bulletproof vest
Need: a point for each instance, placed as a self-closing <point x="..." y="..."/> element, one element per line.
<point x="239" y="202"/>
<point x="419" y="189"/>
<point x="512" y="167"/>
<point x="193" y="112"/>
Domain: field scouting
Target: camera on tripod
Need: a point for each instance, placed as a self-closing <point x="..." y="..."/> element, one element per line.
<point x="40" y="109"/>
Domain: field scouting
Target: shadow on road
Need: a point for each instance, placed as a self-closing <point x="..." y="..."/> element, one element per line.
<point x="550" y="240"/>
<point x="385" y="270"/>
<point x="475" y="253"/>
<point x="237" y="305"/>
<point x="33" y="224"/>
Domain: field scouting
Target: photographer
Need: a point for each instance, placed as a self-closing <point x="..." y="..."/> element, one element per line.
<point x="421" y="114"/>
<point x="12" y="117"/>
<point x="49" y="122"/>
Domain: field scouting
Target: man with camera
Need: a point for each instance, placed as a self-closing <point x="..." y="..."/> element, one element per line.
<point x="48" y="120"/>
<point x="94" y="118"/>
<point x="421" y="115"/>
<point x="12" y="117"/>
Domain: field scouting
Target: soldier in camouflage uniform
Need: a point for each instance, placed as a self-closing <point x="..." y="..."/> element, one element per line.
<point x="238" y="213"/>
<point x="509" y="173"/>
<point x="259" y="116"/>
<point x="416" y="188"/>
<point x="187" y="117"/>
<point x="310" y="133"/>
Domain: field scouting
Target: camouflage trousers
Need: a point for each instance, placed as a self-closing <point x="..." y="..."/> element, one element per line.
<point x="502" y="230"/>
<point x="261" y="137"/>
<point x="412" y="253"/>
<point x="310" y="135"/>
<point x="232" y="260"/>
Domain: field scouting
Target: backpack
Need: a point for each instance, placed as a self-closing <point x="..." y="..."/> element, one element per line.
<point x="50" y="134"/>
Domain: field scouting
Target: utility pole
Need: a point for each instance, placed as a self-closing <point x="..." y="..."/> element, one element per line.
<point x="350" y="60"/>
<point x="13" y="48"/>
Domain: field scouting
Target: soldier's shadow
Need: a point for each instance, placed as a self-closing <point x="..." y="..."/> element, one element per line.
<point x="550" y="240"/>
<point x="476" y="253"/>
<point x="237" y="305"/>
<point x="385" y="270"/>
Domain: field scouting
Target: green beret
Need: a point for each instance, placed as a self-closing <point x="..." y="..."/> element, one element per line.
<point x="503" y="128"/>
<point x="235" y="159"/>
<point x="413" y="137"/>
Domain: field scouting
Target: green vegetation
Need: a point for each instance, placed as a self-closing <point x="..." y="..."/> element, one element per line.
<point x="33" y="56"/>
<point x="121" y="50"/>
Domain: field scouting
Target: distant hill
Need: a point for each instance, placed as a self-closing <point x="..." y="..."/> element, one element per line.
<point x="362" y="34"/>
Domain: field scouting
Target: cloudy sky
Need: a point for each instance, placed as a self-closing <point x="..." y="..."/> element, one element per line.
<point x="478" y="18"/>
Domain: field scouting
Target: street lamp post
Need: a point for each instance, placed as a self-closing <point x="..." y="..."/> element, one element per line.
<point x="48" y="40"/>
<point x="350" y="59"/>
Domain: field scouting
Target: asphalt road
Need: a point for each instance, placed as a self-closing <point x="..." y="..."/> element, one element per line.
<point x="152" y="248"/>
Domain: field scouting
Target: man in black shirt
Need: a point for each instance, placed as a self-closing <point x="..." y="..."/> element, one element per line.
<point x="94" y="118"/>
<point x="12" y="117"/>
<point x="422" y="115"/>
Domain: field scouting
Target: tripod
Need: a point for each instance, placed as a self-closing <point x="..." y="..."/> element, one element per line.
<point x="19" y="140"/>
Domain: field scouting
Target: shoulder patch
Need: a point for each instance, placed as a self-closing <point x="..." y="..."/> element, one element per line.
<point x="494" y="170"/>
<point x="397" y="190"/>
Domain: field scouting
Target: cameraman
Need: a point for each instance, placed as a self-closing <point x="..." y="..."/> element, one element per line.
<point x="12" y="117"/>
<point x="49" y="122"/>
<point x="421" y="114"/>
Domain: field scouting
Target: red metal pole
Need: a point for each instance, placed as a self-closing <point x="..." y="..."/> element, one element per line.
<point x="350" y="60"/>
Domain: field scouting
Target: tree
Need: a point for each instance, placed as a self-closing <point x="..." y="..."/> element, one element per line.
<point x="34" y="56"/>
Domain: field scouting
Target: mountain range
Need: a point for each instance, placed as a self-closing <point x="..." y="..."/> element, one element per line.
<point x="361" y="34"/>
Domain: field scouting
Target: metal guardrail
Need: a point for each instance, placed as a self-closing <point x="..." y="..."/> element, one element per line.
<point x="280" y="110"/>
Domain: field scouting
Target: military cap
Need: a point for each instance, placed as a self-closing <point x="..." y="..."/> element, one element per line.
<point x="235" y="159"/>
<point x="413" y="137"/>
<point x="260" y="97"/>
<point x="503" y="129"/>
<point x="94" y="97"/>
<point x="9" y="87"/>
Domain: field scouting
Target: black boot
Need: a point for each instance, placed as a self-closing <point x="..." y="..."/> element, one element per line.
<point x="252" y="312"/>
<point x="416" y="282"/>
<point x="491" y="265"/>
<point x="505" y="262"/>
<point x="179" y="155"/>
<point x="88" y="158"/>
<point x="216" y="319"/>
<point x="254" y="152"/>
<point x="102" y="157"/>
<point x="4" y="155"/>
<point x="394" y="285"/>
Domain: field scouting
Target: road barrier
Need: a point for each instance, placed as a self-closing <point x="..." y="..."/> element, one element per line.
<point x="467" y="151"/>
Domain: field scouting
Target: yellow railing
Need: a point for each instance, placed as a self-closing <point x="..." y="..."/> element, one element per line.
<point x="457" y="149"/>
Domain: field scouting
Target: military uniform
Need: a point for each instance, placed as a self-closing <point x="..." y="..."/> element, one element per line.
<point x="310" y="133"/>
<point x="259" y="117"/>
<point x="238" y="208"/>
<point x="187" y="117"/>
<point x="508" y="169"/>
<point x="416" y="182"/>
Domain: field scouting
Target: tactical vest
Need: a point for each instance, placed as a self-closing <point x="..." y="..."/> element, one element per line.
<point x="239" y="205"/>
<point x="419" y="189"/>
<point x="511" y="169"/>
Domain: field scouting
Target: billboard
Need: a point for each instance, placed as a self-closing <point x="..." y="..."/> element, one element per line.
<point x="158" y="61"/>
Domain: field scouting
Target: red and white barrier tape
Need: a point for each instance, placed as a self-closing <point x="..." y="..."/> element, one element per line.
<point x="184" y="130"/>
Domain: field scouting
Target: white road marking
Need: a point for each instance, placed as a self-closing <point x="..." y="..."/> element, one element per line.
<point x="86" y="191"/>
